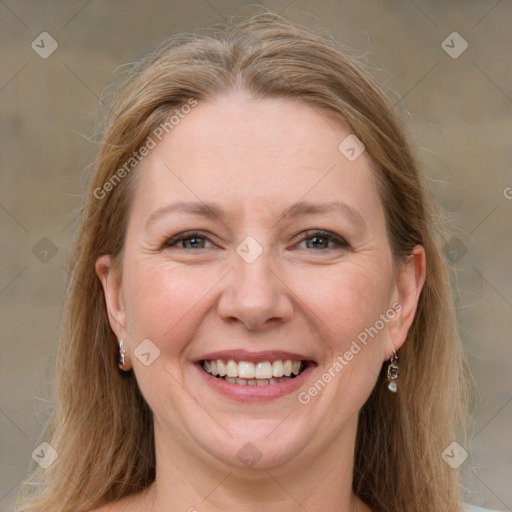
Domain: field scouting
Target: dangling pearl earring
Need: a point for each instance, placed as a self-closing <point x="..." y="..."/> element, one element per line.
<point x="393" y="372"/>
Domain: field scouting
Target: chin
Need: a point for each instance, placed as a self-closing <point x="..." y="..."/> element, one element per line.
<point x="257" y="445"/>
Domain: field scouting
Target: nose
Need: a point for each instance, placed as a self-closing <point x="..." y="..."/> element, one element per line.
<point x="256" y="295"/>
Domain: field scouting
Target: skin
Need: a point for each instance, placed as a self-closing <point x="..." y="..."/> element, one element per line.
<point x="255" y="158"/>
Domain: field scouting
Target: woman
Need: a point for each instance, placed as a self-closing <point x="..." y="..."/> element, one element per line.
<point x="259" y="316"/>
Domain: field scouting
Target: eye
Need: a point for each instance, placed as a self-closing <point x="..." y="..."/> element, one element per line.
<point x="318" y="240"/>
<point x="189" y="240"/>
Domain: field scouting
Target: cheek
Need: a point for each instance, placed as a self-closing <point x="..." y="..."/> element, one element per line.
<point x="162" y="299"/>
<point x="346" y="299"/>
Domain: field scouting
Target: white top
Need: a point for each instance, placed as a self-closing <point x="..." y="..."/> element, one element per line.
<point x="474" y="508"/>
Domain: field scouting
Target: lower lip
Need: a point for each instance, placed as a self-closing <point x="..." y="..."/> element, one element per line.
<point x="245" y="393"/>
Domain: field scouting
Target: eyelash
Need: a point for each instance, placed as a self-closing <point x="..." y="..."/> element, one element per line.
<point x="306" y="235"/>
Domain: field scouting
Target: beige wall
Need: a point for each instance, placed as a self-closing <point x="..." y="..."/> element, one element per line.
<point x="461" y="115"/>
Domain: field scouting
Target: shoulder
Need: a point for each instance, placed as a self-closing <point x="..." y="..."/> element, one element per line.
<point x="474" y="508"/>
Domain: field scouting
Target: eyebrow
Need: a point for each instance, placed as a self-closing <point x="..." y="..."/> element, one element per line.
<point x="297" y="210"/>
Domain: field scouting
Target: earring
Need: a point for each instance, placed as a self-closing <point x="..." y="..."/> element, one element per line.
<point x="393" y="372"/>
<point x="122" y="353"/>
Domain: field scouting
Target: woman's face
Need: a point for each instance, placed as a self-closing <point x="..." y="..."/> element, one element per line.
<point x="224" y="262"/>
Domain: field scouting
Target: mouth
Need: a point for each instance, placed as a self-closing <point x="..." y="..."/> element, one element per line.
<point x="248" y="373"/>
<point x="246" y="376"/>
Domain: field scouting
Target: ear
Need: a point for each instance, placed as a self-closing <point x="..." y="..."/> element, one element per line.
<point x="408" y="284"/>
<point x="112" y="289"/>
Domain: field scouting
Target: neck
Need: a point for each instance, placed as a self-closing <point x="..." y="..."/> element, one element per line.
<point x="184" y="483"/>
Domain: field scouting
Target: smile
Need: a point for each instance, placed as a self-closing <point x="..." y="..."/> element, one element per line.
<point x="247" y="373"/>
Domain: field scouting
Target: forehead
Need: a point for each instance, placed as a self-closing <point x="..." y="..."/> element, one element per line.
<point x="255" y="155"/>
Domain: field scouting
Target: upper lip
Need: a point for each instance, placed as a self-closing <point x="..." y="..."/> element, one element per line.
<point x="253" y="357"/>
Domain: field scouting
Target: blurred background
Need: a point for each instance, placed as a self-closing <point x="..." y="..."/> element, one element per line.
<point x="447" y="63"/>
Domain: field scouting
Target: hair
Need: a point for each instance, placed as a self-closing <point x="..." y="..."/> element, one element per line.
<point x="101" y="426"/>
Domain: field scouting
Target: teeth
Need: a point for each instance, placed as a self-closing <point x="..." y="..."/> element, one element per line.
<point x="263" y="370"/>
<point x="253" y="374"/>
<point x="278" y="368"/>
<point x="245" y="369"/>
<point x="221" y="367"/>
<point x="232" y="369"/>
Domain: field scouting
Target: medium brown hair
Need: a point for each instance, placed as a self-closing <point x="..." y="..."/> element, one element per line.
<point x="102" y="427"/>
